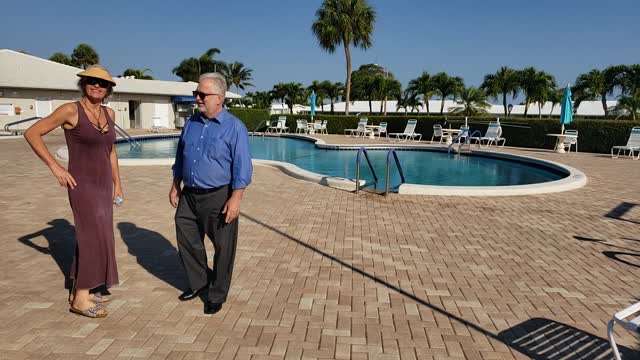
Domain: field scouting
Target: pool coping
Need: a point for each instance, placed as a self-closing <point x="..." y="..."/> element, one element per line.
<point x="575" y="178"/>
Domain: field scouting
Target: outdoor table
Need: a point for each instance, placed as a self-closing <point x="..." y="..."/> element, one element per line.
<point x="447" y="133"/>
<point x="559" y="143"/>
<point x="372" y="135"/>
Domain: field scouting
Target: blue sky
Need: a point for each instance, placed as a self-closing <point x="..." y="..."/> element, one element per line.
<point x="465" y="38"/>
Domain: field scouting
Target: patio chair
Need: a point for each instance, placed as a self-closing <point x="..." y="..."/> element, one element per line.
<point x="301" y="126"/>
<point x="570" y="141"/>
<point x="633" y="145"/>
<point x="272" y="126"/>
<point x="492" y="135"/>
<point x="323" y="128"/>
<point x="632" y="324"/>
<point x="409" y="132"/>
<point x="464" y="133"/>
<point x="437" y="133"/>
<point x="382" y="129"/>
<point x="360" y="131"/>
<point x="317" y="126"/>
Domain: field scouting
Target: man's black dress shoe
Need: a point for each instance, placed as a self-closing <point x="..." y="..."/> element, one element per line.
<point x="212" y="307"/>
<point x="190" y="294"/>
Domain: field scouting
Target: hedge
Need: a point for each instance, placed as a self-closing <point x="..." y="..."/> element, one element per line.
<point x="596" y="136"/>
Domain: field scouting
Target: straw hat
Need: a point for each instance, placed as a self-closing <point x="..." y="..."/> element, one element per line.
<point x="99" y="72"/>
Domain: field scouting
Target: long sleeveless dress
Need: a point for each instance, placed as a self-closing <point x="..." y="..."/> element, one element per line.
<point x="91" y="201"/>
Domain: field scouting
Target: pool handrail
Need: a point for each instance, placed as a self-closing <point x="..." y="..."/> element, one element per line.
<point x="402" y="179"/>
<point x="463" y="142"/>
<point x="362" y="150"/>
<point x="132" y="142"/>
<point x="16" y="132"/>
<point x="258" y="127"/>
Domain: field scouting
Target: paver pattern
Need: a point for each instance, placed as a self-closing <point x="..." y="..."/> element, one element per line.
<point x="326" y="274"/>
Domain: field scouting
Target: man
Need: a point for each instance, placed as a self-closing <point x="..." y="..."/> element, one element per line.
<point x="214" y="164"/>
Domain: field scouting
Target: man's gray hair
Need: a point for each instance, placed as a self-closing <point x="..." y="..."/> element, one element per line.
<point x="218" y="80"/>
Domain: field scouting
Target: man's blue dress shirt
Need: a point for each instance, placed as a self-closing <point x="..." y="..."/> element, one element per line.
<point x="214" y="152"/>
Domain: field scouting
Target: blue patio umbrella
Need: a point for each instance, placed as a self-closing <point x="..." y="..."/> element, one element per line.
<point x="566" y="112"/>
<point x="312" y="100"/>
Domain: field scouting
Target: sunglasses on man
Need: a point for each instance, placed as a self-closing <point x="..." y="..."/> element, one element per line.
<point x="201" y="94"/>
<point x="95" y="81"/>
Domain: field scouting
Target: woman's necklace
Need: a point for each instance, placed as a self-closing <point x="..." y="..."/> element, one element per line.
<point x="97" y="126"/>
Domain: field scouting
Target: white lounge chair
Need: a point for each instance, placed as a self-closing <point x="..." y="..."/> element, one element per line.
<point x="323" y="129"/>
<point x="620" y="318"/>
<point x="317" y="126"/>
<point x="409" y="132"/>
<point x="437" y="133"/>
<point x="301" y="126"/>
<point x="568" y="141"/>
<point x="360" y="131"/>
<point x="382" y="129"/>
<point x="492" y="135"/>
<point x="633" y="145"/>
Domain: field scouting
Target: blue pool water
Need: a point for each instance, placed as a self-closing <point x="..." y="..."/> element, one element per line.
<point x="420" y="167"/>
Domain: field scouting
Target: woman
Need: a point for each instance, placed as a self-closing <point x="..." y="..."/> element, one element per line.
<point x="93" y="183"/>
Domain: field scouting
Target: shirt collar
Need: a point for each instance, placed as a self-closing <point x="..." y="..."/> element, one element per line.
<point x="221" y="117"/>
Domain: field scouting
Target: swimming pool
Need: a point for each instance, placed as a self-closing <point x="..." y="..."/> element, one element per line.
<point x="421" y="166"/>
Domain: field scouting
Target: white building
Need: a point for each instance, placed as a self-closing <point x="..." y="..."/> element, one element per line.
<point x="586" y="108"/>
<point x="33" y="87"/>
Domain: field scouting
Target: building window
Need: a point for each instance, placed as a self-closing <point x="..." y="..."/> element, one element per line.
<point x="43" y="107"/>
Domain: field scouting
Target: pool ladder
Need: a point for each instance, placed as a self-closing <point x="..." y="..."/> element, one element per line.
<point x="262" y="122"/>
<point x="391" y="152"/>
<point x="132" y="142"/>
<point x="463" y="142"/>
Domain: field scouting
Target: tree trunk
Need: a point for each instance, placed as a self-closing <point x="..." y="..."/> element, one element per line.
<point x="526" y="106"/>
<point x="442" y="106"/>
<point x="347" y="53"/>
<point x="385" y="106"/>
<point x="370" y="107"/>
<point x="426" y="103"/>
<point x="604" y="105"/>
<point x="331" y="105"/>
<point x="504" y="103"/>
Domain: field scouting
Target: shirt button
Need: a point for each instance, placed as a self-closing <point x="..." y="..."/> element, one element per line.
<point x="194" y="161"/>
<point x="201" y="137"/>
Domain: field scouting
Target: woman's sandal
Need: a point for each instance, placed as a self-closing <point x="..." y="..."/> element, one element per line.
<point x="96" y="298"/>
<point x="92" y="312"/>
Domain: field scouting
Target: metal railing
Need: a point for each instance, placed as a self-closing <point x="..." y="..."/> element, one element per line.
<point x="120" y="131"/>
<point x="16" y="132"/>
<point x="262" y="122"/>
<point x="402" y="179"/>
<point x="366" y="156"/>
<point x="463" y="142"/>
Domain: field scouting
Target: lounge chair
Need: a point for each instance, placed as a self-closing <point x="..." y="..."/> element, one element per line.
<point x="301" y="126"/>
<point x="323" y="129"/>
<point x="492" y="135"/>
<point x="633" y="145"/>
<point x="360" y="131"/>
<point x="382" y="129"/>
<point x="620" y="318"/>
<point x="409" y="132"/>
<point x="437" y="133"/>
<point x="568" y="141"/>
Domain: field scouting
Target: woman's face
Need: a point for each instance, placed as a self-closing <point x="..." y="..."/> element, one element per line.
<point x="96" y="88"/>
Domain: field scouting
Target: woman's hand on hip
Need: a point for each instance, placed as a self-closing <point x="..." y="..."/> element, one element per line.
<point x="64" y="177"/>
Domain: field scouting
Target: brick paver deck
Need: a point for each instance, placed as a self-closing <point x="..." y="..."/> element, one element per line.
<point x="323" y="273"/>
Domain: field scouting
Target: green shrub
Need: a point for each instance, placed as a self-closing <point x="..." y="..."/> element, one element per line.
<point x="250" y="117"/>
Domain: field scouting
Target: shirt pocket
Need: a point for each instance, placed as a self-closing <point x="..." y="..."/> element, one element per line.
<point x="214" y="147"/>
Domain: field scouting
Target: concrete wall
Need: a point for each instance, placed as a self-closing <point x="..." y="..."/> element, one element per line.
<point x="26" y="99"/>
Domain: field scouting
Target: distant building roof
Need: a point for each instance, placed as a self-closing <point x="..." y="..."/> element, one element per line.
<point x="27" y="71"/>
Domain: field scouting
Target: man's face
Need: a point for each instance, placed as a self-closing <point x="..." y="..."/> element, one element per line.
<point x="208" y="99"/>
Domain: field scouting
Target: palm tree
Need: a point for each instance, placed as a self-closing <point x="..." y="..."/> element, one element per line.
<point x="472" y="102"/>
<point x="628" y="105"/>
<point x="555" y="97"/>
<point x="423" y="86"/>
<point x="259" y="99"/>
<point x="61" y="58"/>
<point x="505" y="81"/>
<point x="386" y="87"/>
<point x="191" y="68"/>
<point x="346" y="23"/>
<point x="188" y="70"/>
<point x="363" y="83"/>
<point x="279" y="92"/>
<point x="628" y="78"/>
<point x="138" y="74"/>
<point x="595" y="84"/>
<point x="84" y="55"/>
<point x="408" y="100"/>
<point x="292" y="93"/>
<point x="237" y="75"/>
<point x="539" y="86"/>
<point x="446" y="86"/>
<point x="333" y="91"/>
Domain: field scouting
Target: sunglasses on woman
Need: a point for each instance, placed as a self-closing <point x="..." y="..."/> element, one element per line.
<point x="201" y="94"/>
<point x="95" y="81"/>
